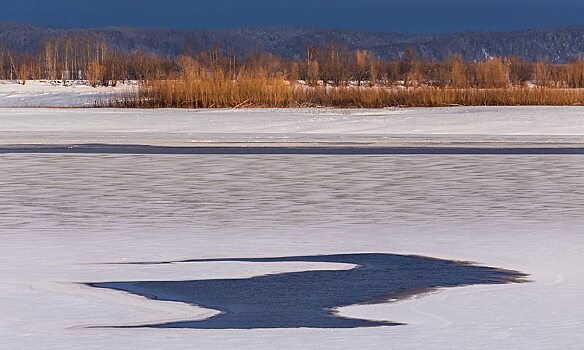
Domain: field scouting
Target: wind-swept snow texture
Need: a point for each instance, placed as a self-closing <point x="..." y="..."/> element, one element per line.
<point x="71" y="219"/>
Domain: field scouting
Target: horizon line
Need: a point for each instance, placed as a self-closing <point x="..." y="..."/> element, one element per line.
<point x="286" y="26"/>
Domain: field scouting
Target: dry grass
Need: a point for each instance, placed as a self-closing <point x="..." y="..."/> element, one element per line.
<point x="264" y="83"/>
<point x="439" y="97"/>
<point x="197" y="88"/>
<point x="216" y="93"/>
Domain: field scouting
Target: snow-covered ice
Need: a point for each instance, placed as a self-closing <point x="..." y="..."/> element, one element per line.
<point x="289" y="127"/>
<point x="64" y="217"/>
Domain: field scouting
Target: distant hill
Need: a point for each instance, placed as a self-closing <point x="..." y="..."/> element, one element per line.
<point x="558" y="45"/>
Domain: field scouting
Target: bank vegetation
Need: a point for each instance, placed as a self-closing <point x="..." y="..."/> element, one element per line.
<point x="321" y="76"/>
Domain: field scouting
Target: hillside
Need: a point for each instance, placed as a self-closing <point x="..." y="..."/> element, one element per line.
<point x="558" y="45"/>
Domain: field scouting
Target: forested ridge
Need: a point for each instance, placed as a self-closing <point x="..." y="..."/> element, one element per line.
<point x="556" y="45"/>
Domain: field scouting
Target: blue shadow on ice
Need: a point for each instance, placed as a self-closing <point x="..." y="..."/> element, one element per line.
<point x="308" y="299"/>
<point x="346" y="149"/>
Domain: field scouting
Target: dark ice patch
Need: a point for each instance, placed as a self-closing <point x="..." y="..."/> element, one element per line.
<point x="307" y="299"/>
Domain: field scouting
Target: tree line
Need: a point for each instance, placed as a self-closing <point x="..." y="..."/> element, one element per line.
<point x="85" y="57"/>
<point x="78" y="57"/>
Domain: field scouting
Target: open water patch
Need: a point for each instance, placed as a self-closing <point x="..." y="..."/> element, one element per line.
<point x="309" y="299"/>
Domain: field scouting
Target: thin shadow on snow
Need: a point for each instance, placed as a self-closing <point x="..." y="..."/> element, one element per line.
<point x="308" y="299"/>
<point x="346" y="149"/>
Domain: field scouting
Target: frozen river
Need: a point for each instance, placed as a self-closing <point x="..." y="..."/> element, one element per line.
<point x="66" y="217"/>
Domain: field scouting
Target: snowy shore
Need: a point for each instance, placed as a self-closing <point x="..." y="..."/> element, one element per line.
<point x="58" y="94"/>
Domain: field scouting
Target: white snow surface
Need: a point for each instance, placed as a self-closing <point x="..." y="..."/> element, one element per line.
<point x="37" y="93"/>
<point x="462" y="125"/>
<point x="63" y="217"/>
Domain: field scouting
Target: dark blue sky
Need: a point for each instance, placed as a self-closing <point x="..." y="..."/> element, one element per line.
<point x="384" y="15"/>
